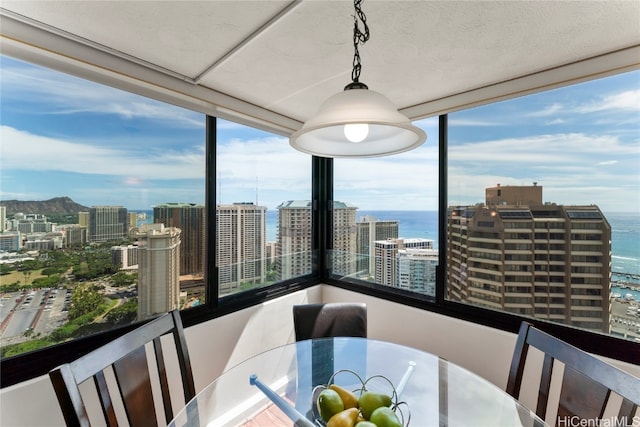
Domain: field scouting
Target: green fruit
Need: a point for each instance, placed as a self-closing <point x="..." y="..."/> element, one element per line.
<point x="329" y="404"/>
<point x="385" y="417"/>
<point x="366" y="424"/>
<point x="370" y="401"/>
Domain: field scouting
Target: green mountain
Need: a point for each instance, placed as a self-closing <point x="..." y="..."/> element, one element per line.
<point x="55" y="206"/>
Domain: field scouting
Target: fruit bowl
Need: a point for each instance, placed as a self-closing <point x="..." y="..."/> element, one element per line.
<point x="373" y="401"/>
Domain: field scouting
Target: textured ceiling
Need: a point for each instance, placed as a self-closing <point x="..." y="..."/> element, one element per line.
<point x="276" y="61"/>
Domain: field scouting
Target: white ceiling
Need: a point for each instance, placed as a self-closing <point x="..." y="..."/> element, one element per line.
<point x="271" y="63"/>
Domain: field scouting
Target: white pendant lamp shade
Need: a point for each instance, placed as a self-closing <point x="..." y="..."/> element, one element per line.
<point x="357" y="122"/>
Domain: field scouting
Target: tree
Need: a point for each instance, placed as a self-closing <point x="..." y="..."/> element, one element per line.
<point x="84" y="300"/>
<point x="52" y="270"/>
<point x="123" y="279"/>
<point x="48" y="282"/>
<point x="124" y="314"/>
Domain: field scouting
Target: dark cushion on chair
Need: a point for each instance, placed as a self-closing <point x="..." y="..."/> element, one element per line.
<point x="330" y="320"/>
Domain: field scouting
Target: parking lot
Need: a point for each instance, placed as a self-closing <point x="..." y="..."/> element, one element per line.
<point x="39" y="310"/>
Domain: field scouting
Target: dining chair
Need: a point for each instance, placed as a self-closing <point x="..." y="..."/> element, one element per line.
<point x="586" y="385"/>
<point x="125" y="358"/>
<point x="339" y="319"/>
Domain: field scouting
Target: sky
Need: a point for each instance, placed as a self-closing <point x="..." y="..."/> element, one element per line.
<point x="63" y="136"/>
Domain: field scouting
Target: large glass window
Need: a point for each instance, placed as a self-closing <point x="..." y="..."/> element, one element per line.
<point x="544" y="196"/>
<point x="105" y="222"/>
<point x="102" y="207"/>
<point x="385" y="217"/>
<point x="263" y="209"/>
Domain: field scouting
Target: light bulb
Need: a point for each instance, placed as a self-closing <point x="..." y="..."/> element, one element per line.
<point x="356" y="132"/>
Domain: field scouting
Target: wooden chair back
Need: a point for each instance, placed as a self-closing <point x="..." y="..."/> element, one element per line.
<point x="126" y="358"/>
<point x="330" y="320"/>
<point x="587" y="383"/>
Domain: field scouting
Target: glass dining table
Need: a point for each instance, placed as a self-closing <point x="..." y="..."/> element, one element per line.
<point x="276" y="388"/>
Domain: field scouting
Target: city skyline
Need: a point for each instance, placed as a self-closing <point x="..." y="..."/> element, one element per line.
<point x="581" y="143"/>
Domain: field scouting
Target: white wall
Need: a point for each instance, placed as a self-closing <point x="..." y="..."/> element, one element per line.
<point x="480" y="349"/>
<point x="485" y="351"/>
<point x="214" y="346"/>
<point x="219" y="344"/>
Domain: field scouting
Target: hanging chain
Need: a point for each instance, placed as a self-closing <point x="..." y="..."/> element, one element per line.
<point x="359" y="37"/>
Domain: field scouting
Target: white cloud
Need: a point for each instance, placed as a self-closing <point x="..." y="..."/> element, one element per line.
<point x="50" y="91"/>
<point x="467" y="122"/>
<point x="555" y="122"/>
<point x="552" y="149"/>
<point x="26" y="151"/>
<point x="573" y="169"/>
<point x="241" y="162"/>
<point x="624" y="101"/>
<point x="550" y="110"/>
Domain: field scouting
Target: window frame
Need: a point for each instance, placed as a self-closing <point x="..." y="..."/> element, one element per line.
<point x="20" y="368"/>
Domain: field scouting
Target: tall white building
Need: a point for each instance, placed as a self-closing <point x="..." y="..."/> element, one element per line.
<point x="386" y="251"/>
<point x="343" y="259"/>
<point x="3" y="218"/>
<point x="158" y="270"/>
<point x="241" y="246"/>
<point x="126" y="256"/>
<point x="416" y="270"/>
<point x="10" y="241"/>
<point x="294" y="250"/>
<point x="370" y="229"/>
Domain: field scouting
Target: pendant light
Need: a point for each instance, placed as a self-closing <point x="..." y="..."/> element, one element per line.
<point x="357" y="122"/>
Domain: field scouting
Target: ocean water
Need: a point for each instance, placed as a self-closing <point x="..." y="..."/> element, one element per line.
<point x="625" y="234"/>
<point x="625" y="242"/>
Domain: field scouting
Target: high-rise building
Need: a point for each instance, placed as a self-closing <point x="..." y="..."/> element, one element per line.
<point x="294" y="254"/>
<point x="158" y="270"/>
<point x="343" y="259"/>
<point x="132" y="220"/>
<point x="107" y="224"/>
<point x="271" y="253"/>
<point x="75" y="235"/>
<point x="386" y="251"/>
<point x="3" y="218"/>
<point x="10" y="241"/>
<point x="32" y="223"/>
<point x="83" y="219"/>
<point x="518" y="254"/>
<point x="294" y="257"/>
<point x="240" y="246"/>
<point x="416" y="270"/>
<point x="368" y="231"/>
<point x="125" y="256"/>
<point x="190" y="219"/>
